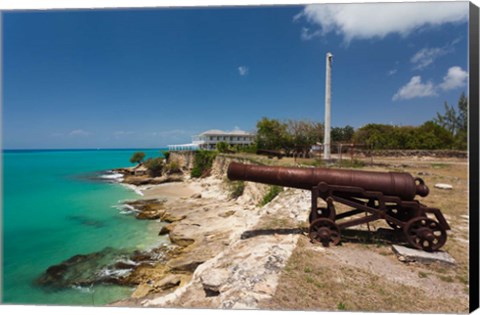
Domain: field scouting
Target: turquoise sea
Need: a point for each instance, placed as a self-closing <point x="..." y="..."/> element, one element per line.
<point x="55" y="207"/>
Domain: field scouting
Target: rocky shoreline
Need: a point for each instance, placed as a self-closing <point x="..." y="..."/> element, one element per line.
<point x="203" y="222"/>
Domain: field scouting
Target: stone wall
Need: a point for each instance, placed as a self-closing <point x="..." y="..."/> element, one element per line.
<point x="407" y="153"/>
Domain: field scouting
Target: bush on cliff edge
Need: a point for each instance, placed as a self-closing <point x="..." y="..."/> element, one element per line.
<point x="202" y="164"/>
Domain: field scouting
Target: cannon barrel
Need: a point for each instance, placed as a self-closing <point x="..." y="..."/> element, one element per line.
<point x="402" y="185"/>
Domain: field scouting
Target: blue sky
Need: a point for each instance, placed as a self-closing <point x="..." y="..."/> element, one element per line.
<point x="149" y="78"/>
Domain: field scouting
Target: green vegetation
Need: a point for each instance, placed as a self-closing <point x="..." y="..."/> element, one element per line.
<point x="166" y="154"/>
<point x="236" y="188"/>
<point x="448" y="131"/>
<point x="137" y="157"/>
<point x="351" y="163"/>
<point x="173" y="167"/>
<point x="272" y="193"/>
<point x="341" y="306"/>
<point x="429" y="136"/>
<point x="202" y="163"/>
<point x="456" y="122"/>
<point x="224" y="147"/>
<point x="155" y="166"/>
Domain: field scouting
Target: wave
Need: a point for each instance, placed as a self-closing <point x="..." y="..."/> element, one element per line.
<point x="114" y="176"/>
<point x="126" y="209"/>
<point x="137" y="190"/>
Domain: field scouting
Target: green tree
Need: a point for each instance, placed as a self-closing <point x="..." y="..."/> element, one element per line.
<point x="456" y="122"/>
<point x="271" y="134"/>
<point x="223" y="147"/>
<point x="432" y="136"/>
<point x="137" y="157"/>
<point x="342" y="134"/>
<point x="303" y="134"/>
<point x="376" y="136"/>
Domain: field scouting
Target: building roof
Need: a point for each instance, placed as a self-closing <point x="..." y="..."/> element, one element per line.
<point x="217" y="132"/>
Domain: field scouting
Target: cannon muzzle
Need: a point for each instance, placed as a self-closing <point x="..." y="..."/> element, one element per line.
<point x="398" y="184"/>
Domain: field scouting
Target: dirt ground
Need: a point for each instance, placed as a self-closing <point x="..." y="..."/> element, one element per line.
<point x="363" y="274"/>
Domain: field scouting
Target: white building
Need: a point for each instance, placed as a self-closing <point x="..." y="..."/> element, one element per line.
<point x="208" y="140"/>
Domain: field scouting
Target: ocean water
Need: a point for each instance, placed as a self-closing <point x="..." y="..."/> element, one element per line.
<point x="54" y="208"/>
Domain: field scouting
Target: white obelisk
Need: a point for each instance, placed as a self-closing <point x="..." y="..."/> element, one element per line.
<point x="326" y="139"/>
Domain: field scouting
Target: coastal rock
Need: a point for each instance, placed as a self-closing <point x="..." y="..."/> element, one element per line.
<point x="170" y="217"/>
<point x="214" y="279"/>
<point x="147" y="209"/>
<point x="185" y="264"/>
<point x="166" y="229"/>
<point x="84" y="270"/>
<point x="168" y="282"/>
<point x="141" y="291"/>
<point x="141" y="180"/>
<point x="180" y="240"/>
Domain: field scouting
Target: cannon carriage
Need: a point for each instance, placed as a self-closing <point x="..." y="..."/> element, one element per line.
<point x="388" y="196"/>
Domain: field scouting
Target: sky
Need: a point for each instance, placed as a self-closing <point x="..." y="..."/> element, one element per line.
<point x="147" y="78"/>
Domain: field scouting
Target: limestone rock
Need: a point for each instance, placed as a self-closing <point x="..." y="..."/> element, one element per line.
<point x="410" y="254"/>
<point x="170" y="217"/>
<point x="141" y="291"/>
<point x="214" y="279"/>
<point x="168" y="282"/>
<point x="227" y="214"/>
<point x="443" y="186"/>
<point x="166" y="229"/>
<point x="185" y="264"/>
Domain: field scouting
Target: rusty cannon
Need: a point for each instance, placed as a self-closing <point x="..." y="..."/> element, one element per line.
<point x="388" y="196"/>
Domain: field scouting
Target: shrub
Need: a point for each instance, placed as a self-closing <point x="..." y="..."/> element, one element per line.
<point x="137" y="157"/>
<point x="173" y="167"/>
<point x="202" y="164"/>
<point x="223" y="147"/>
<point x="236" y="189"/>
<point x="166" y="154"/>
<point x="154" y="166"/>
<point x="272" y="193"/>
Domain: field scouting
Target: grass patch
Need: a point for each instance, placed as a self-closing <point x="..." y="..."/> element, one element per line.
<point x="422" y="274"/>
<point x="445" y="278"/>
<point x="351" y="163"/>
<point x="439" y="165"/>
<point x="273" y="191"/>
<point x="341" y="306"/>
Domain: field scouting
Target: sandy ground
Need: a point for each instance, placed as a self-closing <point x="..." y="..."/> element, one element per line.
<point x="171" y="191"/>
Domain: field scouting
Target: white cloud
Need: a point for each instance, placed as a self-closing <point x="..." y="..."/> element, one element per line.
<point x="243" y="70"/>
<point x="375" y="20"/>
<point x="79" y="132"/>
<point x="392" y="72"/>
<point x="426" y="56"/>
<point x="307" y="34"/>
<point x="455" y="78"/>
<point x="415" y="88"/>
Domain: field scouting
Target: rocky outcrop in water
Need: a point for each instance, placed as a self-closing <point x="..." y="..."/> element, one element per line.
<point x="108" y="266"/>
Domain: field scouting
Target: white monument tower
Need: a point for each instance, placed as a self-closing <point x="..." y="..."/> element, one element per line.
<point x="326" y="139"/>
